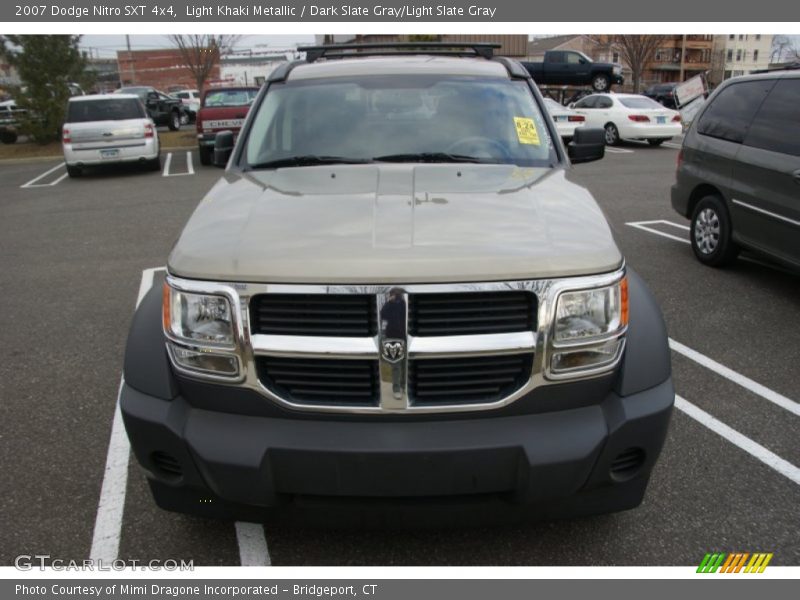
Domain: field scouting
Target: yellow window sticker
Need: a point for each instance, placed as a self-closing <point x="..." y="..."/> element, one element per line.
<point x="526" y="131"/>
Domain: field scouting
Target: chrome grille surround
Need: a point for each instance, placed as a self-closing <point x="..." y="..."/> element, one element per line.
<point x="538" y="343"/>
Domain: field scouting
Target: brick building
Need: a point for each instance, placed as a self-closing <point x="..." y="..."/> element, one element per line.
<point x="162" y="69"/>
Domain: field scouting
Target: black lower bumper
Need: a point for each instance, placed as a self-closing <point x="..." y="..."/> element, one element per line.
<point x="585" y="460"/>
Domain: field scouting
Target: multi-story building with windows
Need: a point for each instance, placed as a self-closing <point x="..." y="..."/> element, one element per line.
<point x="743" y="53"/>
<point x="680" y="57"/>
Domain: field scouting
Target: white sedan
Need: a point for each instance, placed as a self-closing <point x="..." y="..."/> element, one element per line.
<point x="629" y="117"/>
<point x="566" y="119"/>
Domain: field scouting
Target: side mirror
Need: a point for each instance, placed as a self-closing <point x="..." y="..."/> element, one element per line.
<point x="223" y="146"/>
<point x="587" y="145"/>
<point x="152" y="96"/>
<point x="571" y="105"/>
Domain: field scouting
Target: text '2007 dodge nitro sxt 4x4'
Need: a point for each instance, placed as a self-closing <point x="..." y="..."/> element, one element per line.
<point x="395" y="297"/>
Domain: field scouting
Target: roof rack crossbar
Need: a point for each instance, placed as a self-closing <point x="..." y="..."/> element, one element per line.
<point x="484" y="50"/>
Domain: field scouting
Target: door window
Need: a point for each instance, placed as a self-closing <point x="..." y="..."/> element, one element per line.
<point x="777" y="125"/>
<point x="731" y="112"/>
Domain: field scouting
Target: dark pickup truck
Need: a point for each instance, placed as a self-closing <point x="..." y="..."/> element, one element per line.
<point x="568" y="67"/>
<point x="160" y="107"/>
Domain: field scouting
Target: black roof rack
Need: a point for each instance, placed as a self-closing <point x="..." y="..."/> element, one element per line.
<point x="314" y="53"/>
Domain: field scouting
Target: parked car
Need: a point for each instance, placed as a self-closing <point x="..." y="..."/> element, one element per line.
<point x="663" y="93"/>
<point x="223" y="109"/>
<point x="398" y="296"/>
<point x="569" y="67"/>
<point x="738" y="176"/>
<point x="161" y="108"/>
<point x="629" y="117"/>
<point x="191" y="102"/>
<point x="107" y="129"/>
<point x="9" y="121"/>
<point x="566" y="119"/>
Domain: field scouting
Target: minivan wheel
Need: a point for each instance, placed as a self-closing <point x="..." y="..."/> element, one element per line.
<point x="74" y="171"/>
<point x="710" y="233"/>
<point x="174" y="121"/>
<point x="612" y="135"/>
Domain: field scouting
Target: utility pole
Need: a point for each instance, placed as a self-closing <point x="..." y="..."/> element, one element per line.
<point x="130" y="60"/>
<point x="683" y="56"/>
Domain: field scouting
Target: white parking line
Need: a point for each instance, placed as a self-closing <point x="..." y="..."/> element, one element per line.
<point x="253" y="551"/>
<point x="614" y="150"/>
<point x="165" y="172"/>
<point x="32" y="182"/>
<point x="189" y="166"/>
<point x="108" y="523"/>
<point x="737" y="378"/>
<point x="754" y="449"/>
<point x="672" y="145"/>
<point x="645" y="226"/>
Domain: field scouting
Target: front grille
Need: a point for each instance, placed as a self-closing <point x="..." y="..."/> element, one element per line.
<point x="471" y="313"/>
<point x="321" y="381"/>
<point x="467" y="380"/>
<point x="343" y="315"/>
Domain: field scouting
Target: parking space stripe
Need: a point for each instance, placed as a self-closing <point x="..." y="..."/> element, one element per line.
<point x="737" y="378"/>
<point x="32" y="182"/>
<point x="108" y="522"/>
<point x="614" y="150"/>
<point x="253" y="551"/>
<point x="189" y="165"/>
<point x="672" y="145"/>
<point x="645" y="226"/>
<point x="165" y="172"/>
<point x="59" y="180"/>
<point x="743" y="442"/>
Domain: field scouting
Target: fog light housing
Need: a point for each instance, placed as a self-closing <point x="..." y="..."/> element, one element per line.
<point x="586" y="359"/>
<point x="207" y="363"/>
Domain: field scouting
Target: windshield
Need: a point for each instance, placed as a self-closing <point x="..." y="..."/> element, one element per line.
<point x="409" y="118"/>
<point x="230" y="97"/>
<point x="107" y="109"/>
<point x="642" y="102"/>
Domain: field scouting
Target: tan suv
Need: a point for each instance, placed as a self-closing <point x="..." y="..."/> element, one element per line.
<point x="395" y="298"/>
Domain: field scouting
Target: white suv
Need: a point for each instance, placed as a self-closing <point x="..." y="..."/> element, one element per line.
<point x="102" y="129"/>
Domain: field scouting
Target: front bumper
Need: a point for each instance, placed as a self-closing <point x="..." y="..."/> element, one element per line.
<point x="561" y="463"/>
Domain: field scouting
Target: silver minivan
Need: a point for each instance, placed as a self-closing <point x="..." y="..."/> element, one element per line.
<point x="738" y="176"/>
<point x="104" y="129"/>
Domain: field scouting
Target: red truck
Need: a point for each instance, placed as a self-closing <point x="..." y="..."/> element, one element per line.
<point x="222" y="109"/>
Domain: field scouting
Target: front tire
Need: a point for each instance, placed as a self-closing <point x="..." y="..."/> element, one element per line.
<point x="612" y="134"/>
<point x="710" y="233"/>
<point x="8" y="137"/>
<point x="601" y="83"/>
<point x="174" y="121"/>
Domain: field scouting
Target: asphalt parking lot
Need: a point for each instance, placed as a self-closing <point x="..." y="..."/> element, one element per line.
<point x="75" y="252"/>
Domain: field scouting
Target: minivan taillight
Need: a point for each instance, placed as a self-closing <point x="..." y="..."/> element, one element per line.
<point x="148" y="130"/>
<point x="639" y="118"/>
<point x="65" y="136"/>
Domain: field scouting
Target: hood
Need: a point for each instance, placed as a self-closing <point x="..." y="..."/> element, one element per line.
<point x="394" y="223"/>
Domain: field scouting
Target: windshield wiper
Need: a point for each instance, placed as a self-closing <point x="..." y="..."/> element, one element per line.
<point x="307" y="160"/>
<point x="432" y="157"/>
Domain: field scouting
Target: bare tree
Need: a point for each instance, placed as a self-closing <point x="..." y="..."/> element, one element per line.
<point x="635" y="51"/>
<point x="784" y="48"/>
<point x="201" y="53"/>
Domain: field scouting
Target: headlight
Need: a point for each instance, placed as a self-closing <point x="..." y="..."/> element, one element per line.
<point x="198" y="318"/>
<point x="588" y="314"/>
<point x="588" y="330"/>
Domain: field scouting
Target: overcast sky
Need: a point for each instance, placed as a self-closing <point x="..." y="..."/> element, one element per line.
<point x="107" y="45"/>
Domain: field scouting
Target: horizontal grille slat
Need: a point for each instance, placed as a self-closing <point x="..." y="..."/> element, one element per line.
<point x="460" y="381"/>
<point x="321" y="381"/>
<point x="471" y="313"/>
<point x="339" y="315"/>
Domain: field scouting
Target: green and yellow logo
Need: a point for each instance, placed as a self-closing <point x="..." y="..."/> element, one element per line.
<point x="734" y="562"/>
